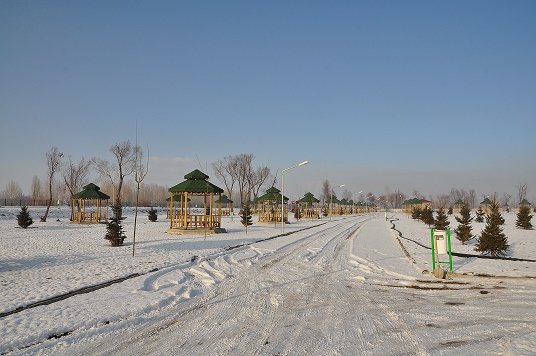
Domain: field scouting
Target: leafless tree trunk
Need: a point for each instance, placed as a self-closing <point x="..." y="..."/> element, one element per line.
<point x="125" y="155"/>
<point x="226" y="171"/>
<point x="244" y="168"/>
<point x="53" y="164"/>
<point x="471" y="198"/>
<point x="326" y="190"/>
<point x="521" y="192"/>
<point x="140" y="172"/>
<point x="256" y="179"/>
<point x="36" y="188"/>
<point x="506" y="199"/>
<point x="75" y="177"/>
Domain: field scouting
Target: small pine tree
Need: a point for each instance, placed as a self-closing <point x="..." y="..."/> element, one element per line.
<point x="245" y="217"/>
<point x="492" y="239"/>
<point x="450" y="211"/>
<point x="427" y="216"/>
<point x="524" y="217"/>
<point x="441" y="221"/>
<point x="480" y="215"/>
<point x="152" y="214"/>
<point x="114" y="230"/>
<point x="416" y="213"/>
<point x="325" y="211"/>
<point x="464" y="230"/>
<point x="23" y="218"/>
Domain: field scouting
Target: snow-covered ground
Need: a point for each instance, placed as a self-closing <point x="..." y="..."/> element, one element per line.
<point x="339" y="287"/>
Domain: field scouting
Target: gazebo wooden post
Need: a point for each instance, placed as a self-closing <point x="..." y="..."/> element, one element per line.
<point x="170" y="210"/>
<point x="186" y="209"/>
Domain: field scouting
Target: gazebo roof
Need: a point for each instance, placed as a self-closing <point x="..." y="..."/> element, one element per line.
<point x="196" y="182"/>
<point x="308" y="198"/>
<point x="333" y="199"/>
<point x="486" y="202"/>
<point x="224" y="199"/>
<point x="272" y="194"/>
<point x="459" y="202"/>
<point x="91" y="191"/>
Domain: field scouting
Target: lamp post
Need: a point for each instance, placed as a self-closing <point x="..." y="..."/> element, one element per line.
<point x="283" y="193"/>
<point x="331" y="200"/>
<point x="366" y="206"/>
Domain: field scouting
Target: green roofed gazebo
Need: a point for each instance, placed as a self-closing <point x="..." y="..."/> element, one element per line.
<point x="458" y="205"/>
<point x="269" y="206"/>
<point x="88" y="204"/>
<point x="486" y="205"/>
<point x="224" y="204"/>
<point x="334" y="205"/>
<point x="185" y="219"/>
<point x="309" y="206"/>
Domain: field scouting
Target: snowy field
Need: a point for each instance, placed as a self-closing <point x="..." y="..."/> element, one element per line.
<point x="339" y="287"/>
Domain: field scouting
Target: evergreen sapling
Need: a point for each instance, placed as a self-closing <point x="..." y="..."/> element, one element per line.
<point x="152" y="214"/>
<point x="114" y="230"/>
<point x="427" y="216"/>
<point x="441" y="221"/>
<point x="23" y="218"/>
<point x="464" y="230"/>
<point x="492" y="239"/>
<point x="524" y="217"/>
<point x="245" y="217"/>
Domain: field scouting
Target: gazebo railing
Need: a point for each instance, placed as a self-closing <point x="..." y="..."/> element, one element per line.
<point x="195" y="221"/>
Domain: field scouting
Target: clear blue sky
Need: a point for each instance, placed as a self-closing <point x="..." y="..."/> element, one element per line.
<point x="416" y="95"/>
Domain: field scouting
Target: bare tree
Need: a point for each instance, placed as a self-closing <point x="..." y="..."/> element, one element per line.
<point x="226" y="171"/>
<point x="521" y="192"/>
<point x="140" y="172"/>
<point x="13" y="191"/>
<point x="53" y="165"/>
<point x="326" y="190"/>
<point x="75" y="177"/>
<point x="506" y="199"/>
<point x="443" y="201"/>
<point x="397" y="198"/>
<point x="471" y="198"/>
<point x="125" y="165"/>
<point x="256" y="179"/>
<point x="244" y="168"/>
<point x="36" y="189"/>
<point x="346" y="194"/>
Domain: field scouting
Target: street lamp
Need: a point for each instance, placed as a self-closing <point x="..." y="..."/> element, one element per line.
<point x="283" y="192"/>
<point x="366" y="206"/>
<point x="331" y="201"/>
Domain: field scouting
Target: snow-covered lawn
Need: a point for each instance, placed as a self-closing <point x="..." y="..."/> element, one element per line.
<point x="330" y="287"/>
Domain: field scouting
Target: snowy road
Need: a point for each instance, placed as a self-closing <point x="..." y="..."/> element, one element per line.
<point x="345" y="287"/>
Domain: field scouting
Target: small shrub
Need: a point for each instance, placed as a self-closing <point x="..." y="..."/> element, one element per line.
<point x="152" y="214"/>
<point x="23" y="218"/>
<point x="114" y="230"/>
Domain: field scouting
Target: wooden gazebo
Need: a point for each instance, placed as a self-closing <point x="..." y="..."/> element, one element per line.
<point x="86" y="206"/>
<point x="334" y="205"/>
<point x="486" y="205"/>
<point x="225" y="204"/>
<point x="309" y="206"/>
<point x="458" y="205"/>
<point x="269" y="206"/>
<point x="184" y="218"/>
